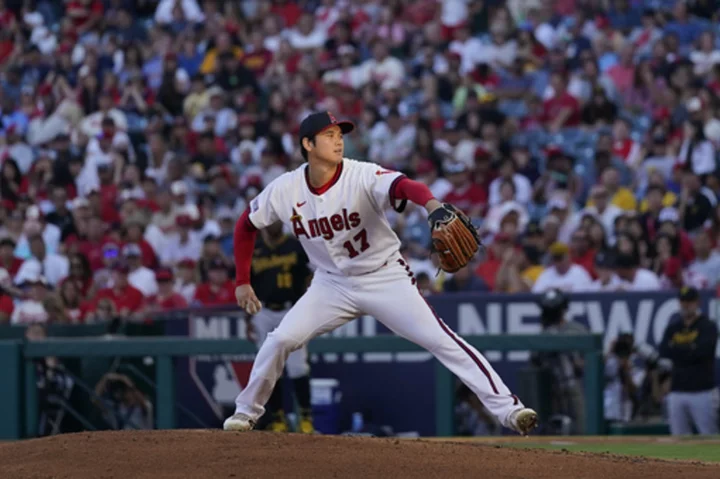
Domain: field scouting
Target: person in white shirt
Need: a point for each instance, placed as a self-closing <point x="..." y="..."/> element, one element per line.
<point x="52" y="266"/>
<point x="139" y="276"/>
<point x="383" y="69"/>
<point x="632" y="276"/>
<point x="35" y="224"/>
<point x="190" y="9"/>
<point x="607" y="279"/>
<point x="14" y="147"/>
<point x="31" y="309"/>
<point x="181" y="244"/>
<point x="707" y="261"/>
<point x="394" y="142"/>
<point x="348" y="74"/>
<point x="696" y="149"/>
<point x="675" y="277"/>
<point x="496" y="215"/>
<point x="186" y="279"/>
<point x="469" y="48"/>
<point x="91" y="125"/>
<point x="307" y="36"/>
<point x="706" y="56"/>
<point x="601" y="208"/>
<point x="225" y="118"/>
<point x="562" y="274"/>
<point x="523" y="188"/>
<point x="427" y="172"/>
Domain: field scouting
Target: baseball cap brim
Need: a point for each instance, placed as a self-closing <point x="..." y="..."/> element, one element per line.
<point x="345" y="126"/>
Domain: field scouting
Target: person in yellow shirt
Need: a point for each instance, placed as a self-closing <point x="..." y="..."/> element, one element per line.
<point x="198" y="98"/>
<point x="656" y="178"/>
<point x="223" y="43"/>
<point x="621" y="196"/>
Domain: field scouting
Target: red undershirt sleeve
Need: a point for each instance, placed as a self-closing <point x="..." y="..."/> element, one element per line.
<point x="243" y="245"/>
<point x="406" y="189"/>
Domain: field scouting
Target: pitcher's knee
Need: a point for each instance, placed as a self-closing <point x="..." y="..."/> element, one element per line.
<point x="281" y="342"/>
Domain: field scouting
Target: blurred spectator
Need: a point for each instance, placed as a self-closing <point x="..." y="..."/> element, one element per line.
<point x="707" y="261"/>
<point x="123" y="405"/>
<point x="562" y="274"/>
<point x="166" y="298"/>
<point x="181" y="244"/>
<point x="51" y="266"/>
<point x="697" y="203"/>
<point x="121" y="297"/>
<point x="186" y="281"/>
<point x="607" y="280"/>
<point x="635" y="278"/>
<point x="464" y="281"/>
<point x="139" y="276"/>
<point x="8" y="260"/>
<point x="465" y="194"/>
<point x="32" y="309"/>
<point x="218" y="289"/>
<point x="6" y="300"/>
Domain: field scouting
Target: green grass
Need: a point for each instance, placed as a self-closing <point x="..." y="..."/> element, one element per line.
<point x="695" y="452"/>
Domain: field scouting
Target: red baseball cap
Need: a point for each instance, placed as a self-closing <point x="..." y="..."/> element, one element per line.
<point x="164" y="274"/>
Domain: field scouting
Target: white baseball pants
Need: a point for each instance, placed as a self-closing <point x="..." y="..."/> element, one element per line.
<point x="391" y="297"/>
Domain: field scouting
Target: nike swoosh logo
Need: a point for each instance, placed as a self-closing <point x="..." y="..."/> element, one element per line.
<point x="300" y="204"/>
<point x="380" y="172"/>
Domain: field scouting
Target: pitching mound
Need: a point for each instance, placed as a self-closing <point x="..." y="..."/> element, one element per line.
<point x="217" y="454"/>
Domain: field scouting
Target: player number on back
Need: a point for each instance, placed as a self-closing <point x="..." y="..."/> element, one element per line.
<point x="360" y="240"/>
<point x="284" y="280"/>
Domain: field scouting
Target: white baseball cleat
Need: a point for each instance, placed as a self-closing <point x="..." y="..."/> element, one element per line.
<point x="238" y="422"/>
<point x="524" y="420"/>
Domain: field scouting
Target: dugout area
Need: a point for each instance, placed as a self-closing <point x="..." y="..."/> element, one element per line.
<point x="218" y="454"/>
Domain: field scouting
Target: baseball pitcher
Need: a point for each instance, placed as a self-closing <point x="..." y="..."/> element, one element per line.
<point x="336" y="207"/>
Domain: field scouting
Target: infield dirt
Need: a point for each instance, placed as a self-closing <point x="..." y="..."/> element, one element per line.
<point x="218" y="454"/>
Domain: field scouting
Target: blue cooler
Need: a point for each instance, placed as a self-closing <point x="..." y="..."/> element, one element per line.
<point x="325" y="397"/>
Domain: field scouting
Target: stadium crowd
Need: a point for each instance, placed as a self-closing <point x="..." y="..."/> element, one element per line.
<point x="134" y="132"/>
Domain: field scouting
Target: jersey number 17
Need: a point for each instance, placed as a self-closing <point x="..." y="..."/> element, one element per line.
<point x="361" y="240"/>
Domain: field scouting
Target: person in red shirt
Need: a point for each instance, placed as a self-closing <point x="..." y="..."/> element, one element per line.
<point x="126" y="299"/>
<point x="166" y="299"/>
<point x="581" y="253"/>
<point x="219" y="289"/>
<point x="8" y="260"/>
<point x="465" y="195"/>
<point x="257" y="58"/>
<point x="6" y="302"/>
<point x="563" y="109"/>
<point x="624" y="147"/>
<point x="134" y="233"/>
<point x="103" y="201"/>
<point x="91" y="244"/>
<point x="488" y="269"/>
<point x="84" y="14"/>
<point x="290" y="12"/>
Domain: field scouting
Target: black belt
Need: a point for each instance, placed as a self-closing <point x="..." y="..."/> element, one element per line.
<point x="278" y="306"/>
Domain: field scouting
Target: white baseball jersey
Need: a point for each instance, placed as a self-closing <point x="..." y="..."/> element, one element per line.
<point x="343" y="229"/>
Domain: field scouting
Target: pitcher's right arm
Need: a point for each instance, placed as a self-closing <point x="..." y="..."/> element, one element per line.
<point x="260" y="214"/>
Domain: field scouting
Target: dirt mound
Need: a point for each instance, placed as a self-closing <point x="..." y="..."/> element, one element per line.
<point x="216" y="454"/>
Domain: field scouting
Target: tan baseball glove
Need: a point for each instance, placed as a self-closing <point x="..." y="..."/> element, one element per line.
<point x="454" y="238"/>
